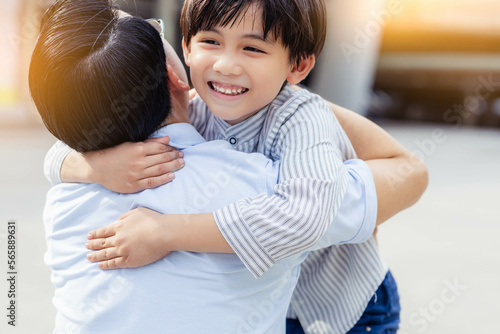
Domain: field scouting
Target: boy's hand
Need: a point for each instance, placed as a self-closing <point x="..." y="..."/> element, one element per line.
<point x="132" y="167"/>
<point x="138" y="238"/>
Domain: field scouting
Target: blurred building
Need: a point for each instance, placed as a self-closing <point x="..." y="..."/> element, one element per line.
<point x="345" y="70"/>
<point x="430" y="60"/>
<point x="440" y="61"/>
<point x="13" y="41"/>
<point x="20" y="24"/>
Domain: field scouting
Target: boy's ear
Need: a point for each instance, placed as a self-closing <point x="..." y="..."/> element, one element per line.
<point x="187" y="53"/>
<point x="299" y="72"/>
<point x="174" y="82"/>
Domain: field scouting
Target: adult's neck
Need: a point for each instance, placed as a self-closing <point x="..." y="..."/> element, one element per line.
<point x="180" y="106"/>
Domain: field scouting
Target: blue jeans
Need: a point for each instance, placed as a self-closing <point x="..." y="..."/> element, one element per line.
<point x="381" y="316"/>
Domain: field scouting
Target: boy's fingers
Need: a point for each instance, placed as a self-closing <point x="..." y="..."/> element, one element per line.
<point x="102" y="255"/>
<point x="161" y="140"/>
<point x="164" y="168"/>
<point x="115" y="263"/>
<point x="128" y="213"/>
<point x="162" y="158"/>
<point x="155" y="181"/>
<point x="151" y="148"/>
<point x="156" y="148"/>
<point x="98" y="244"/>
<point x="103" y="232"/>
<point x="160" y="174"/>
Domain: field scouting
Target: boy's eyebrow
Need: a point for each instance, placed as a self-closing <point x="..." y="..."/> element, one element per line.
<point x="251" y="36"/>
<point x="257" y="36"/>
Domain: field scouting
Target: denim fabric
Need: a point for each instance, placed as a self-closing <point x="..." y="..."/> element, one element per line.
<point x="381" y="316"/>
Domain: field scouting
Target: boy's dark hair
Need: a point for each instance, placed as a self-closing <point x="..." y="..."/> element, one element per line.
<point x="300" y="25"/>
<point x="98" y="80"/>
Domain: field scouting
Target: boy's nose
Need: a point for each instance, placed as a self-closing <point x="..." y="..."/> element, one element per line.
<point x="227" y="65"/>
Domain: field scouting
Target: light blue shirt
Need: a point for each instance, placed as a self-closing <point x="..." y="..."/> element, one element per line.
<point x="184" y="292"/>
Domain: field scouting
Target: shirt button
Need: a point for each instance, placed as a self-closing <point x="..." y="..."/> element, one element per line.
<point x="233" y="140"/>
<point x="368" y="329"/>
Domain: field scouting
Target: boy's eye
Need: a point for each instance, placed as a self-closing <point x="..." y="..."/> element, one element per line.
<point x="209" y="41"/>
<point x="251" y="49"/>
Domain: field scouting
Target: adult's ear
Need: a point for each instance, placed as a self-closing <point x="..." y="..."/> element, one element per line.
<point x="301" y="70"/>
<point x="186" y="50"/>
<point x="174" y="82"/>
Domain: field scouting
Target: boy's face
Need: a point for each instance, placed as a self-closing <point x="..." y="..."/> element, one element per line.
<point x="234" y="70"/>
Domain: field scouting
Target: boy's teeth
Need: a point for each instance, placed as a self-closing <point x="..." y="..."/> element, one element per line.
<point x="227" y="90"/>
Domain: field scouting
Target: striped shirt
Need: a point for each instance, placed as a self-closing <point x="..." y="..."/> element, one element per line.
<point x="299" y="129"/>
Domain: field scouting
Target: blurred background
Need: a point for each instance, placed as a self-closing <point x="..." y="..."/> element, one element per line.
<point x="427" y="71"/>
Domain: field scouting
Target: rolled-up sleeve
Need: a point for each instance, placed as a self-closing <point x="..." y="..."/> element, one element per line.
<point x="54" y="160"/>
<point x="357" y="216"/>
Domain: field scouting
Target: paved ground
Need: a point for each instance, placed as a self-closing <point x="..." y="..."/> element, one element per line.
<point x="444" y="252"/>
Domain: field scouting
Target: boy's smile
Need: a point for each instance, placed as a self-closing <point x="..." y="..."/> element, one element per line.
<point x="234" y="69"/>
<point x="227" y="90"/>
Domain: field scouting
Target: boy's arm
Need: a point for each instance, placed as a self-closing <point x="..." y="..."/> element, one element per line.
<point x="368" y="139"/>
<point x="152" y="235"/>
<point x="400" y="176"/>
<point x="358" y="205"/>
<point x="313" y="181"/>
<point x="126" y="168"/>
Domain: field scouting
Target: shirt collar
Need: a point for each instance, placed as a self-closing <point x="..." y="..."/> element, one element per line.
<point x="182" y="135"/>
<point x="251" y="127"/>
<point x="221" y="125"/>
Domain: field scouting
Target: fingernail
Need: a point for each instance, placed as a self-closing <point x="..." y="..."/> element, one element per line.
<point x="89" y="236"/>
<point x="181" y="161"/>
<point x="181" y="154"/>
<point x="87" y="245"/>
<point x="171" y="176"/>
<point x="89" y="256"/>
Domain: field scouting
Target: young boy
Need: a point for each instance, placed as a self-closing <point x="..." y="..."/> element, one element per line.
<point x="241" y="55"/>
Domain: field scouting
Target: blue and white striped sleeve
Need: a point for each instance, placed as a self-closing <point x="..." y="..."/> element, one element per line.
<point x="54" y="160"/>
<point x="313" y="182"/>
<point x="357" y="216"/>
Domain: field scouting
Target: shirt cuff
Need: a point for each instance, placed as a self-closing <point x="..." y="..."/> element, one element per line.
<point x="360" y="170"/>
<point x="356" y="218"/>
<point x="239" y="236"/>
<point x="54" y="160"/>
